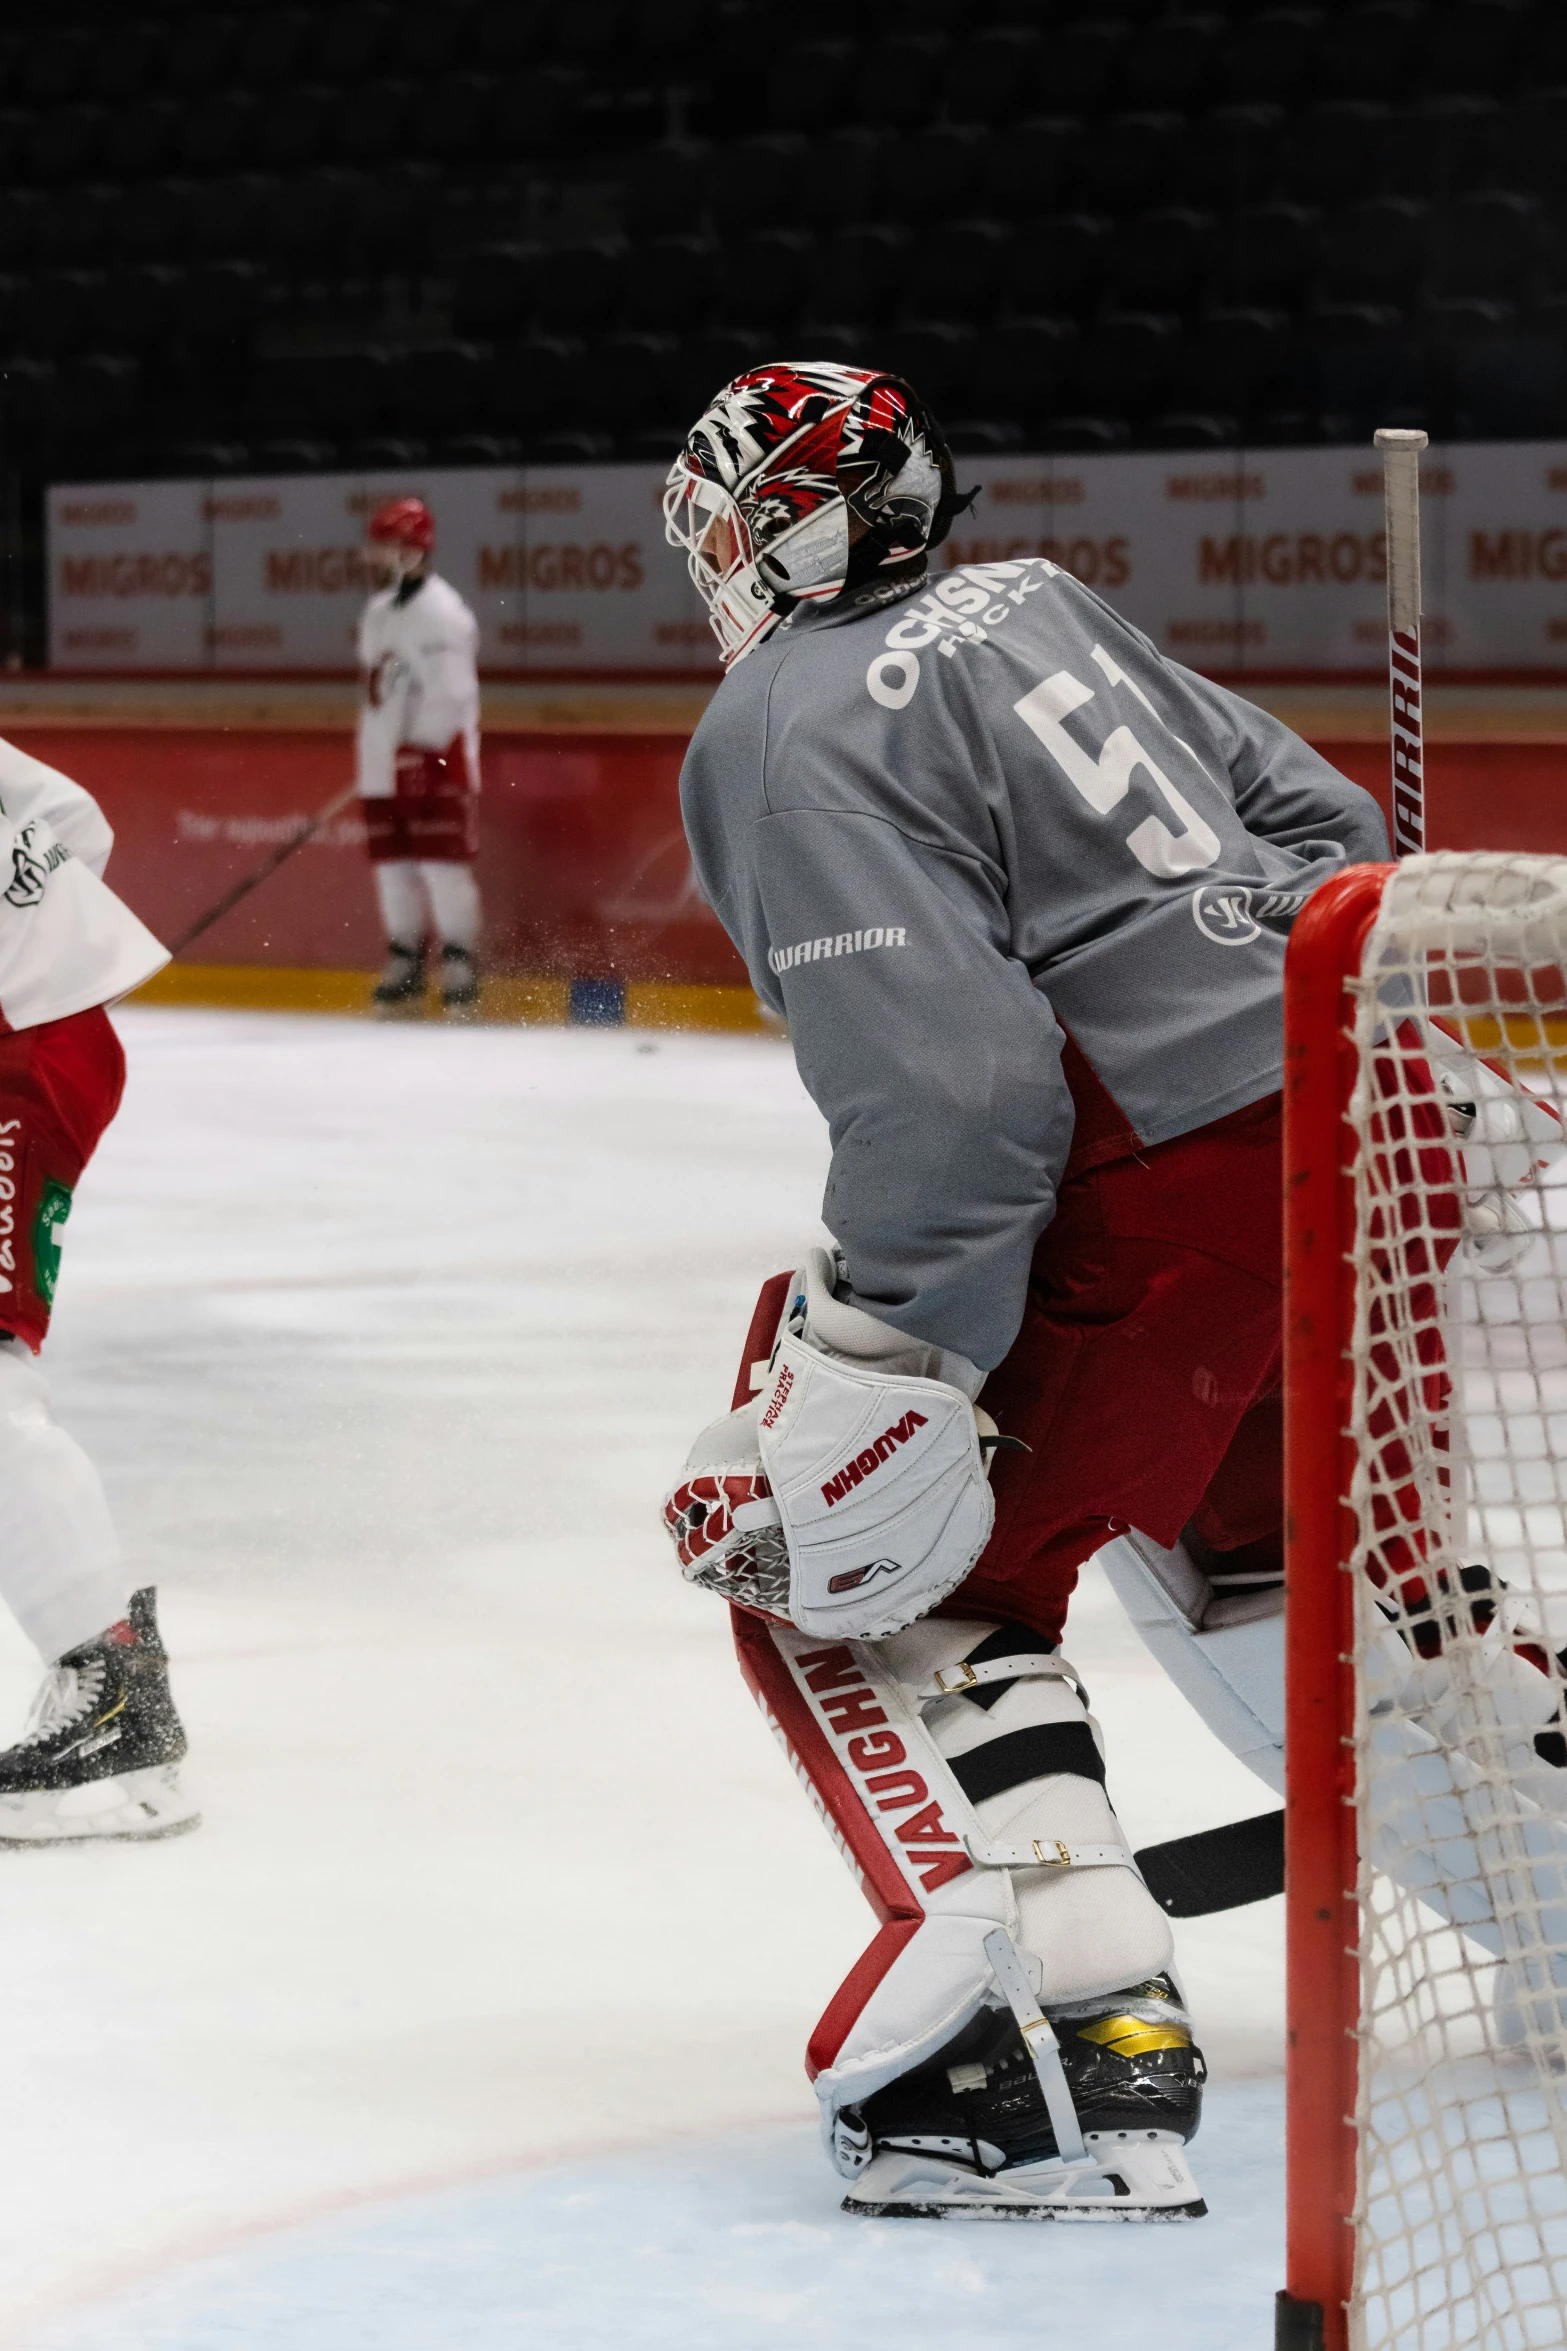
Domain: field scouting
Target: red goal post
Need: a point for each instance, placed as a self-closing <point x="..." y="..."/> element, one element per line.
<point x="1426" y="1541"/>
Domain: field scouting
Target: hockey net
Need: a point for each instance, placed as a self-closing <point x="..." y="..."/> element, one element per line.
<point x="1426" y="1379"/>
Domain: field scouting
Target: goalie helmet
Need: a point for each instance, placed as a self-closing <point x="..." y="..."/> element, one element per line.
<point x="403" y="522"/>
<point x="799" y="481"/>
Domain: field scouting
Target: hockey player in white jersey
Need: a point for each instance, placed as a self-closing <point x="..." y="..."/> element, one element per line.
<point x="100" y="1753"/>
<point x="1021" y="887"/>
<point x="419" y="765"/>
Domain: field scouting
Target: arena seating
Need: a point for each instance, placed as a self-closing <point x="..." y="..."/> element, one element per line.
<point x="310" y="236"/>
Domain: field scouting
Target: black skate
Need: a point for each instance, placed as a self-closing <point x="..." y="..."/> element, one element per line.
<point x="399" y="992"/>
<point x="459" y="984"/>
<point x="969" y="2133"/>
<point x="100" y="1754"/>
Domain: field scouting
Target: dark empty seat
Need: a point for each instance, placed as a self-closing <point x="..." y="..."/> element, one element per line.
<point x="984" y="436"/>
<point x="76" y="225"/>
<point x="1022" y="366"/>
<point x="139" y="138"/>
<point x="1083" y="436"/>
<point x="62" y="310"/>
<point x="373" y="123"/>
<point x="1510" y="384"/>
<point x="96" y="391"/>
<point x="1123" y="362"/>
<point x="936" y="174"/>
<point x="1173" y="62"/>
<point x="140" y="306"/>
<point x="428" y="39"/>
<point x="963" y="270"/>
<point x="900" y="78"/>
<point x="481" y="449"/>
<point x="290" y="453"/>
<point x="812" y="87"/>
<point x="577" y="288"/>
<point x="442" y="385"/>
<point x="1376" y="50"/>
<point x="67" y="145"/>
<point x="294" y="127"/>
<point x="1159" y="259"/>
<point x="1266" y="253"/>
<point x="352" y="43"/>
<point x="492" y="291"/>
<point x="702" y="365"/>
<point x="1231" y="361"/>
<point x="665" y="187"/>
<point x="1273" y="55"/>
<point x="1472" y="45"/>
<point x="222" y="303"/>
<point x="271" y="47"/>
<point x="860" y="273"/>
<point x="538" y="113"/>
<point x="1079" y="62"/>
<point x="1335" y="152"/>
<point x="1032" y="167"/>
<point x="846" y="176"/>
<point x="993" y="76"/>
<point x="504" y="34"/>
<point x="678" y="281"/>
<point x="1440" y="146"/>
<point x="937" y="357"/>
<point x="1186" y="429"/>
<point x="1375" y="251"/>
<point x="765" y="278"/>
<point x="232" y="222"/>
<point x="125" y="59"/>
<point x="632" y="377"/>
<point x="591" y="32"/>
<point x="199" y="52"/>
<point x="155" y="221"/>
<point x="388" y="215"/>
<point x="454" y="119"/>
<point x="1490" y="246"/>
<point x="219" y="134"/>
<point x="1534" y="140"/>
<point x="22" y="213"/>
<point x="1128" y="162"/>
<point x="1231" y="155"/>
<point x="1059" y="263"/>
<point x="54" y="64"/>
<point x="1361" y="360"/>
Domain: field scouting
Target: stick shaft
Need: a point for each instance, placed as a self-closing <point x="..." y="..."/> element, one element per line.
<point x="1401" y="494"/>
<point x="263" y="872"/>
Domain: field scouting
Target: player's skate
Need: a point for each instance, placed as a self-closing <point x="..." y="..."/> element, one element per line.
<point x="1013" y="2045"/>
<point x="99" y="1757"/>
<point x="459" y="984"/>
<point x="399" y="992"/>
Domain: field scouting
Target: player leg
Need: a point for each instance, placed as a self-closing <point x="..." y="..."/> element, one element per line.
<point x="99" y="1755"/>
<point x="399" y="992"/>
<point x="443" y="830"/>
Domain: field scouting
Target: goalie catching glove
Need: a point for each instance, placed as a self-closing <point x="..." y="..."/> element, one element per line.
<point x="850" y="1496"/>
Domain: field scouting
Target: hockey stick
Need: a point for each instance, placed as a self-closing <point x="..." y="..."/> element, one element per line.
<point x="1401" y="495"/>
<point x="307" y="831"/>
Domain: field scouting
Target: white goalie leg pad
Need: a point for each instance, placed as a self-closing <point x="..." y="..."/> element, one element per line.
<point x="1225" y="1655"/>
<point x="963" y="1820"/>
<point x="60" y="1571"/>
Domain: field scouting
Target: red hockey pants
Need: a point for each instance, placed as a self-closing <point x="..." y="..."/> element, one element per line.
<point x="60" y="1084"/>
<point x="1145" y="1377"/>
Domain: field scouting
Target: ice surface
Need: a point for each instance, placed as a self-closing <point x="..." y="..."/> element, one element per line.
<point x="387" y="1341"/>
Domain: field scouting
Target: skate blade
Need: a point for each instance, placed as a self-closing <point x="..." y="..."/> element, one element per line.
<point x="1143" y="2180"/>
<point x="465" y="1015"/>
<point x="137" y="1807"/>
<point x="413" y="1010"/>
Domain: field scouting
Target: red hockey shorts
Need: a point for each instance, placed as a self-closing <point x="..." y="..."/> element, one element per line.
<point x="60" y="1084"/>
<point x="1146" y="1374"/>
<point x="433" y="816"/>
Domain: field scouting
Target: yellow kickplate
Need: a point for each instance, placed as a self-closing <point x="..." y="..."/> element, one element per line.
<point x="1130" y="2036"/>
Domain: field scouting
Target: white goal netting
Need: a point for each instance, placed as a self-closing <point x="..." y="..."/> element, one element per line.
<point x="1459" y="1495"/>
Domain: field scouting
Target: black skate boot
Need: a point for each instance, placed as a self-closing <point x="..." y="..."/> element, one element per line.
<point x="459" y="984"/>
<point x="399" y="992"/>
<point x="969" y="2131"/>
<point x="100" y="1754"/>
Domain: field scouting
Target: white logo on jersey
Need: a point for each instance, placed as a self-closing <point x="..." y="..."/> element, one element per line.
<point x="1222" y="912"/>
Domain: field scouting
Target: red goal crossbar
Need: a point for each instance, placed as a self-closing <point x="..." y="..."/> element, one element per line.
<point x="1321" y="1861"/>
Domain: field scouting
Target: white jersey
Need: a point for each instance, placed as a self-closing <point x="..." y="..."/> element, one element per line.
<point x="419" y="654"/>
<point x="66" y="942"/>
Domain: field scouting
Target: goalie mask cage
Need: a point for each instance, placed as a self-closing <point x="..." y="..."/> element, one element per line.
<point x="1426" y="1470"/>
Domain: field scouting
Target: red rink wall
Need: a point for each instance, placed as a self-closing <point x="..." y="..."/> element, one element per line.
<point x="582" y="859"/>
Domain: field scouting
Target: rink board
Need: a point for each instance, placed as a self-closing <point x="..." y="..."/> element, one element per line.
<point x="582" y="860"/>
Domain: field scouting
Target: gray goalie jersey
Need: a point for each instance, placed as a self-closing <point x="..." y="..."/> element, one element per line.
<point x="1022" y="888"/>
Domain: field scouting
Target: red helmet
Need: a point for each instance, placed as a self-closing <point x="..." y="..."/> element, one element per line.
<point x="762" y="494"/>
<point x="403" y="522"/>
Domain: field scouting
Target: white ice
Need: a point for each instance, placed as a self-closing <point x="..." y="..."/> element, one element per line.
<point x="387" y="1341"/>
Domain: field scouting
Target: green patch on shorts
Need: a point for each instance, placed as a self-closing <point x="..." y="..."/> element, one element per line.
<point x="53" y="1209"/>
